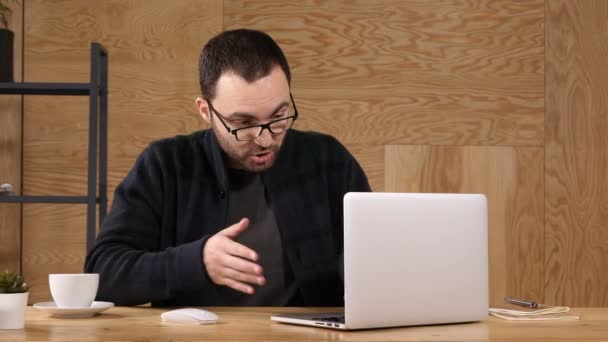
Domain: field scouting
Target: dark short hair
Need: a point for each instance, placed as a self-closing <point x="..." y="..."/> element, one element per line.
<point x="248" y="53"/>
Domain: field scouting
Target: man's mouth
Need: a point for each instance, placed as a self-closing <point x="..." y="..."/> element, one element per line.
<point x="260" y="158"/>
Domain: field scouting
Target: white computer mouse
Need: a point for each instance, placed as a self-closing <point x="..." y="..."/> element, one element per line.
<point x="189" y="315"/>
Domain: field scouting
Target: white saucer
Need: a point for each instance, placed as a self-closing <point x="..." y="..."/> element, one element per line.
<point x="52" y="308"/>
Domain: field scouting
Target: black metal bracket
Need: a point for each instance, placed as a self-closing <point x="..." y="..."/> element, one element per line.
<point x="97" y="175"/>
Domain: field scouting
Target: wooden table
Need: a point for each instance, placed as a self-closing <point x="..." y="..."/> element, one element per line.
<point x="253" y="324"/>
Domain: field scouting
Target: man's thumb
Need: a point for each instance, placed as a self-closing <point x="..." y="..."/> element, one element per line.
<point x="236" y="229"/>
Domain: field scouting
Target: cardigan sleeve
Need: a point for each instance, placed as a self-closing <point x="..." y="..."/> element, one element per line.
<point x="351" y="178"/>
<point x="127" y="254"/>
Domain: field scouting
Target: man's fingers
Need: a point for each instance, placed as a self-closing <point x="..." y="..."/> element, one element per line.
<point x="236" y="249"/>
<point x="243" y="277"/>
<point x="238" y="286"/>
<point x="233" y="231"/>
<point x="242" y="265"/>
<point x="230" y="263"/>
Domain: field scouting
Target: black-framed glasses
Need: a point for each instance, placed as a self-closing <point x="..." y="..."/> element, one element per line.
<point x="275" y="127"/>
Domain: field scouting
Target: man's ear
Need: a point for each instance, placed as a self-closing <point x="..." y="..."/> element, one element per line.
<point x="203" y="109"/>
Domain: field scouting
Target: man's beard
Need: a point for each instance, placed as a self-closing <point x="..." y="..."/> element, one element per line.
<point x="250" y="161"/>
<point x="237" y="159"/>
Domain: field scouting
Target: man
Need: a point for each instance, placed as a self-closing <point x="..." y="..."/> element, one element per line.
<point x="247" y="213"/>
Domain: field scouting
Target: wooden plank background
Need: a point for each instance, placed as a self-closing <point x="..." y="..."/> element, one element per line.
<point x="512" y="180"/>
<point x="576" y="153"/>
<point x="10" y="155"/>
<point x="153" y="52"/>
<point x="438" y="96"/>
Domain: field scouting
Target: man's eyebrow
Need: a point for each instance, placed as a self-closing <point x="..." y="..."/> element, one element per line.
<point x="245" y="115"/>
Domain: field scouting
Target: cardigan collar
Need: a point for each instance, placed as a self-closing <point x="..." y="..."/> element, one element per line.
<point x="273" y="177"/>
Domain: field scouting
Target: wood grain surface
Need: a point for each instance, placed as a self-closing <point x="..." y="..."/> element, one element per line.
<point x="53" y="242"/>
<point x="577" y="159"/>
<point x="10" y="155"/>
<point x="153" y="52"/>
<point x="428" y="95"/>
<point x="512" y="180"/>
<point x="411" y="72"/>
<point x="371" y="159"/>
<point x="254" y="324"/>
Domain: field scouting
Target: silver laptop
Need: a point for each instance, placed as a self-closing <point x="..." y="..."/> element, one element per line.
<point x="410" y="259"/>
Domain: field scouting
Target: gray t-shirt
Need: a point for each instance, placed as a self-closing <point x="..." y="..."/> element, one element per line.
<point x="248" y="198"/>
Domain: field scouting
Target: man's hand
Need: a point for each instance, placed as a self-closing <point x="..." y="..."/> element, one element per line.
<point x="231" y="264"/>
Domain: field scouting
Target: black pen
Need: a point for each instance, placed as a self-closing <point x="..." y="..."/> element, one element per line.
<point x="520" y="302"/>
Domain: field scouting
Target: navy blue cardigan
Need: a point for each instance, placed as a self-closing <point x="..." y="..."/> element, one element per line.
<point x="175" y="197"/>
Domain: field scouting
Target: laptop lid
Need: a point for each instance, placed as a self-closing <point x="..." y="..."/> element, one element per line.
<point x="410" y="259"/>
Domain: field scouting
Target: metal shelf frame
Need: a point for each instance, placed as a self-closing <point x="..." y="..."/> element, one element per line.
<point x="97" y="173"/>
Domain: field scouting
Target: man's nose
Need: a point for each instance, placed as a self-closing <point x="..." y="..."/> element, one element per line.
<point x="264" y="139"/>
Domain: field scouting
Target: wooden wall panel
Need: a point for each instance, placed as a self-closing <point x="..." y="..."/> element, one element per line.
<point x="53" y="242"/>
<point x="512" y="180"/>
<point x="410" y="72"/>
<point x="153" y="53"/>
<point x="371" y="159"/>
<point x="577" y="156"/>
<point x="428" y="96"/>
<point x="10" y="155"/>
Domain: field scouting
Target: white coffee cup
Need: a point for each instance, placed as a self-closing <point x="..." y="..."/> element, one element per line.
<point x="76" y="290"/>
